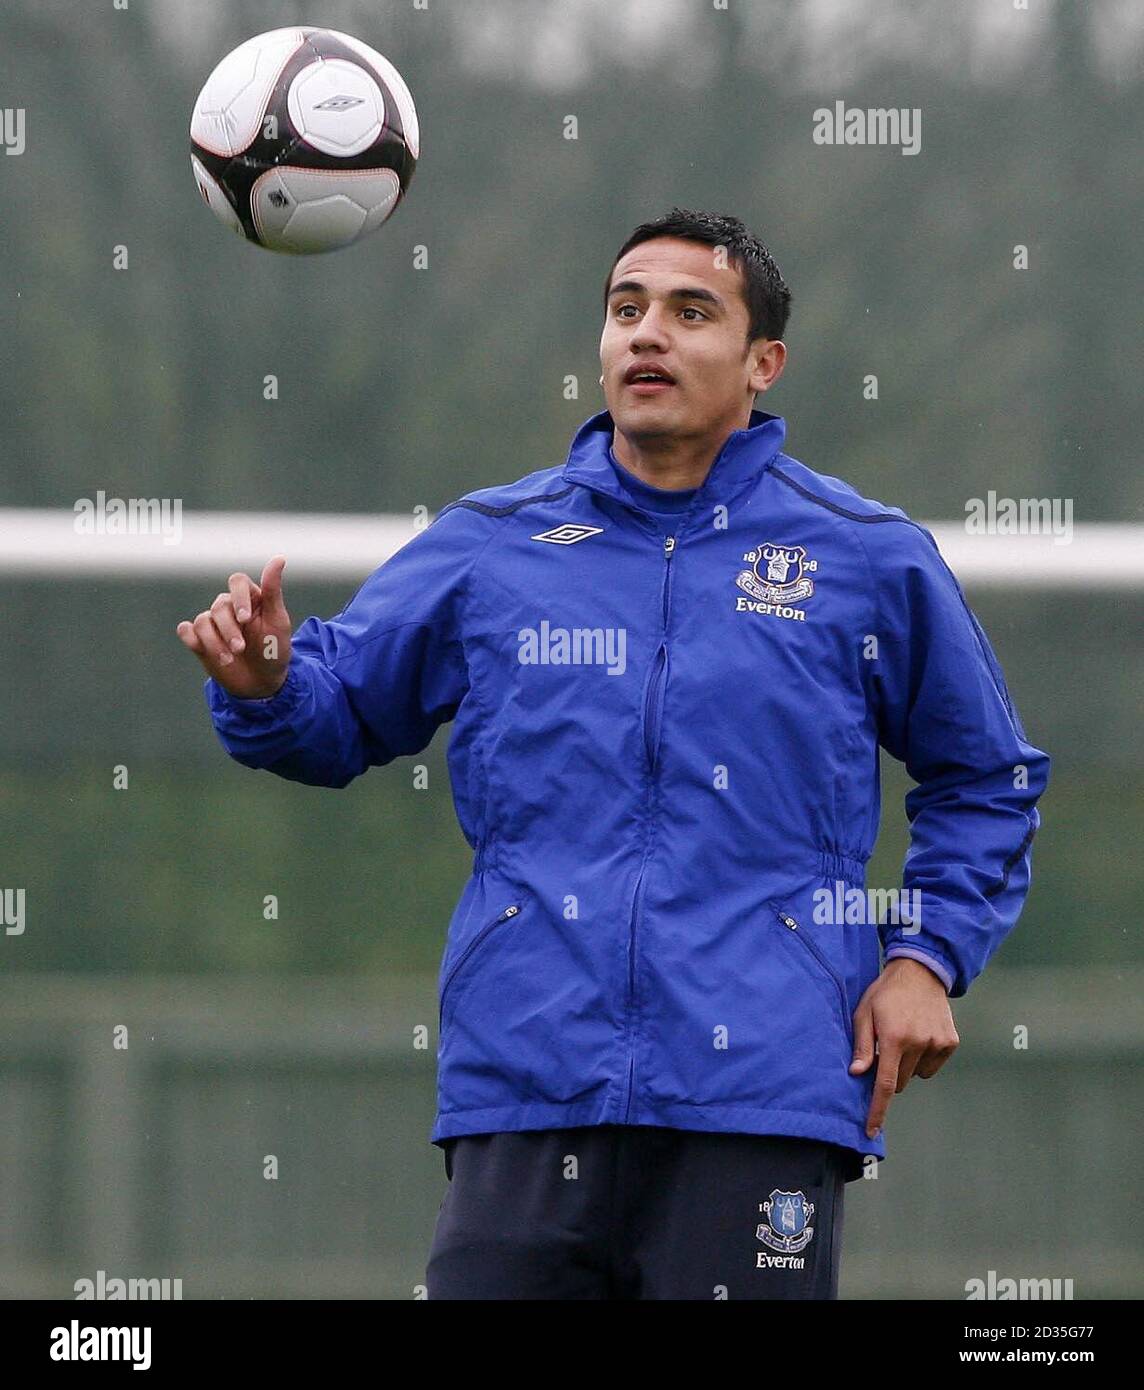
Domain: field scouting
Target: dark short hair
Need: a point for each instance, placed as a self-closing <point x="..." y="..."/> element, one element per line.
<point x="766" y="292"/>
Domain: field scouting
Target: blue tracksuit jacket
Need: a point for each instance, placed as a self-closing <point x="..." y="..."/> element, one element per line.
<point x="665" y="757"/>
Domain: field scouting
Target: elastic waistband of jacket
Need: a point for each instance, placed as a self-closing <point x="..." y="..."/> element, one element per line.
<point x="839" y="866"/>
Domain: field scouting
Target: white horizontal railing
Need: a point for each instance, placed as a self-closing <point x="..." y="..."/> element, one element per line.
<point x="45" y="543"/>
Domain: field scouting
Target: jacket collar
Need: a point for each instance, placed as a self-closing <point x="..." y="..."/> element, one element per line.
<point x="745" y="455"/>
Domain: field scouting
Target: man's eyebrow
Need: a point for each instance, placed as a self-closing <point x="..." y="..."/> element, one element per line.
<point x="683" y="292"/>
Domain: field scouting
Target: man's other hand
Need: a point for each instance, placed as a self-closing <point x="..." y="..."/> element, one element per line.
<point x="906" y="1012"/>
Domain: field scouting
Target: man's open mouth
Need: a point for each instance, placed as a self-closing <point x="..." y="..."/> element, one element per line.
<point x="648" y="383"/>
<point x="648" y="378"/>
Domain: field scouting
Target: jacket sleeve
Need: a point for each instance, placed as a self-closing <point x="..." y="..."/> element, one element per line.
<point x="373" y="682"/>
<point x="944" y="710"/>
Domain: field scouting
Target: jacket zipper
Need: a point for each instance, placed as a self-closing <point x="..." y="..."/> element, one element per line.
<point x="788" y="921"/>
<point x="652" y="719"/>
<point x="505" y="916"/>
<point x="652" y="705"/>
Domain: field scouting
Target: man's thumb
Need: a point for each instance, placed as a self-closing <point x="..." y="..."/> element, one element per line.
<point x="863" y="1041"/>
<point x="272" y="586"/>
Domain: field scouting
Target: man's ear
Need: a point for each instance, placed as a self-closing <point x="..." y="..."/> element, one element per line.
<point x="770" y="359"/>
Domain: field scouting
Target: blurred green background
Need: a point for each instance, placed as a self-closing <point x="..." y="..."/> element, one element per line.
<point x="401" y="387"/>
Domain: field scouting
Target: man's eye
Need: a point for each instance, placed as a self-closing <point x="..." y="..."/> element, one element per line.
<point x="688" y="309"/>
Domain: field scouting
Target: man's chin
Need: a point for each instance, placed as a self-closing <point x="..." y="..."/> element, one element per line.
<point x="656" y="416"/>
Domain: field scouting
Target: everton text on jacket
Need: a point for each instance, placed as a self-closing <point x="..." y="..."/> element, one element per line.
<point x="665" y="757"/>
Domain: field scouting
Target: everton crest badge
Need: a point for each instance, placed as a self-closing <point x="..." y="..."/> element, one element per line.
<point x="786" y="1227"/>
<point x="777" y="574"/>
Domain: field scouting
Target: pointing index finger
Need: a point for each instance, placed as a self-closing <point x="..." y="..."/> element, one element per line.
<point x="272" y="577"/>
<point x="885" y="1085"/>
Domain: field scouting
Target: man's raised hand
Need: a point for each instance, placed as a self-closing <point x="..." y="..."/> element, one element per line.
<point x="243" y="638"/>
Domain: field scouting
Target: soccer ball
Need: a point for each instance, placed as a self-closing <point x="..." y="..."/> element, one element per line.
<point x="303" y="140"/>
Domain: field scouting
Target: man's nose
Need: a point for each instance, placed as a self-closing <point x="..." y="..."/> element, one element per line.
<point x="650" y="331"/>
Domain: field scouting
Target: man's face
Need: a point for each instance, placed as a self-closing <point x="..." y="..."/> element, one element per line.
<point x="671" y="306"/>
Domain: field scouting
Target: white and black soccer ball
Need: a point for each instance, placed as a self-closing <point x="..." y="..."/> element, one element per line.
<point x="303" y="140"/>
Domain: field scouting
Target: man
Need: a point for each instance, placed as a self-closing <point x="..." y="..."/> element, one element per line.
<point x="670" y="663"/>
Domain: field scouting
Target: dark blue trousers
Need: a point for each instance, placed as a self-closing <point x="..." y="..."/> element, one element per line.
<point x="638" y="1212"/>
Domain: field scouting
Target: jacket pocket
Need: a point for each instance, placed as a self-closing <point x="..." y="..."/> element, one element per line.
<point x="817" y="962"/>
<point x="464" y="960"/>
